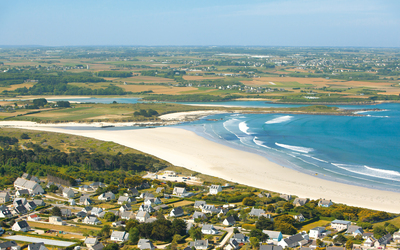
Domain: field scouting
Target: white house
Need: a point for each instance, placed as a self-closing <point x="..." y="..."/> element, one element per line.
<point x="316" y="232"/>
<point x="33" y="217"/>
<point x="300" y="202"/>
<point x="5" y="212"/>
<point x="229" y="221"/>
<point x="92" y="220"/>
<point x="21" y="226"/>
<point x="9" y="245"/>
<point x="179" y="191"/>
<point x="197" y="215"/>
<point x="256" y="212"/>
<point x="199" y="204"/>
<point x="292" y="241"/>
<point x="119" y="236"/>
<point x="142" y="216"/>
<point x="56" y="220"/>
<point x="209" y="209"/>
<point x="299" y="217"/>
<point x="145" y="244"/>
<point x="4" y="197"/>
<point x="152" y="201"/>
<point x="340" y="224"/>
<point x="215" y="189"/>
<point x="355" y="230"/>
<point x="96" y="211"/>
<point x="106" y="196"/>
<point x="209" y="229"/>
<point x="68" y="193"/>
<point x="125" y="199"/>
<point x="275" y="236"/>
<point x="199" y="244"/>
<point x="33" y="187"/>
<point x="325" y="203"/>
<point x="90" y="242"/>
<point x="176" y="212"/>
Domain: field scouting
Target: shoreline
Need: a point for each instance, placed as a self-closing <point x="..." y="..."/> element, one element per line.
<point x="186" y="149"/>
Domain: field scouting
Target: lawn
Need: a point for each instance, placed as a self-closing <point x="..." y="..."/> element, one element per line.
<point x="319" y="223"/>
<point x="395" y="221"/>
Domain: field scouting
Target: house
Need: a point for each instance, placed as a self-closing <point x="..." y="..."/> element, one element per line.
<point x="209" y="209"/>
<point x="39" y="203"/>
<point x="30" y="205"/>
<point x="20" y="209"/>
<point x="19" y="201"/>
<point x="268" y="195"/>
<point x="118" y="224"/>
<point x="9" y="245"/>
<point x="270" y="247"/>
<point x="147" y="208"/>
<point x="85" y="200"/>
<point x="97" y="246"/>
<point x="316" y="232"/>
<point x="232" y="245"/>
<point x="26" y="176"/>
<point x="81" y="214"/>
<point x="229" y="221"/>
<point x="199" y="244"/>
<point x="162" y="206"/>
<point x="396" y="237"/>
<point x="142" y="216"/>
<point x="37" y="246"/>
<point x="68" y="193"/>
<point x="35" y="179"/>
<point x="31" y="186"/>
<point x="340" y="225"/>
<point x="256" y="212"/>
<point x="133" y="191"/>
<point x="56" y="220"/>
<point x="199" y="204"/>
<point x="126" y="199"/>
<point x="127" y="215"/>
<point x="159" y="190"/>
<point x="65" y="212"/>
<point x="90" y="242"/>
<point x="215" y="189"/>
<point x="126" y="207"/>
<point x="85" y="188"/>
<point x="369" y="241"/>
<point x="92" y="220"/>
<point x="119" y="236"/>
<point x="273" y="235"/>
<point x="299" y="217"/>
<point x="97" y="184"/>
<point x="176" y="212"/>
<point x="4" y="197"/>
<point x="96" y="211"/>
<point x="145" y="244"/>
<point x="21" y="226"/>
<point x="355" y="230"/>
<point x="383" y="241"/>
<point x="87" y="209"/>
<point x="325" y="203"/>
<point x="22" y="192"/>
<point x="198" y="215"/>
<point x="33" y="217"/>
<point x="286" y="196"/>
<point x="146" y="195"/>
<point x="152" y="201"/>
<point x="209" y="229"/>
<point x="179" y="191"/>
<point x="144" y="185"/>
<point x="5" y="212"/>
<point x="107" y="196"/>
<point x="292" y="241"/>
<point x="240" y="238"/>
<point x="300" y="202"/>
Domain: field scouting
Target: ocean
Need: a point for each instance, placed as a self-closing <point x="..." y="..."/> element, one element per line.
<point x="362" y="151"/>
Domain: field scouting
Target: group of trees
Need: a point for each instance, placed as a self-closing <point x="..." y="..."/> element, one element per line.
<point x="190" y="98"/>
<point x="114" y="74"/>
<point x="146" y="113"/>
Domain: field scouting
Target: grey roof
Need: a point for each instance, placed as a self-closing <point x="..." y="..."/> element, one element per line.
<point x="207" y="227"/>
<point x="270" y="247"/>
<point x="353" y="229"/>
<point x="23" y="191"/>
<point x="199" y="203"/>
<point x="294" y="239"/>
<point x="125" y="199"/>
<point x="126" y="214"/>
<point x="145" y="244"/>
<point x="4" y="194"/>
<point x="272" y="234"/>
<point x="159" y="189"/>
<point x="199" y="243"/>
<point x="90" y="240"/>
<point x="197" y="214"/>
<point x="385" y="239"/>
<point x="177" y="211"/>
<point x="21" y="209"/>
<point x="26" y="176"/>
<point x="341" y="222"/>
<point x="256" y="212"/>
<point x="98" y="246"/>
<point x="8" y="244"/>
<point x="300" y="201"/>
<point x="231" y="220"/>
<point x="239" y="236"/>
<point x="118" y="234"/>
<point x="36" y="246"/>
<point x="22" y="224"/>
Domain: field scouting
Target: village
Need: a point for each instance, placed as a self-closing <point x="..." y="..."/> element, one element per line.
<point x="41" y="214"/>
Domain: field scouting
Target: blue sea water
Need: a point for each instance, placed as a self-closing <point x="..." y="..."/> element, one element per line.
<point x="357" y="150"/>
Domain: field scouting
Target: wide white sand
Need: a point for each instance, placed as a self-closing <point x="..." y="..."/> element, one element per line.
<point x="186" y="149"/>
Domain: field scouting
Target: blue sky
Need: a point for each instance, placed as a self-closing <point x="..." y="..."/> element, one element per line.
<point x="366" y="23"/>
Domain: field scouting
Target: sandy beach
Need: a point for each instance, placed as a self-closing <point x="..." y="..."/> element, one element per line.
<point x="186" y="149"/>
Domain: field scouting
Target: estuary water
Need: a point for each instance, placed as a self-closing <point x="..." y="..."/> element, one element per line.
<point x="361" y="151"/>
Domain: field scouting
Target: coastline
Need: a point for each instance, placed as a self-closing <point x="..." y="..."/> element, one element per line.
<point x="187" y="149"/>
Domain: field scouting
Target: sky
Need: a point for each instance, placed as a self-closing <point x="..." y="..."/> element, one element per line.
<point x="348" y="23"/>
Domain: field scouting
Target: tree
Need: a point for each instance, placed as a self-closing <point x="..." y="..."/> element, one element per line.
<point x="258" y="234"/>
<point x="249" y="201"/>
<point x="134" y="235"/>
<point x="39" y="102"/>
<point x="320" y="243"/>
<point x="110" y="217"/>
<point x="178" y="227"/>
<point x="271" y="208"/>
<point x="287" y="206"/>
<point x="63" y="104"/>
<point x="25" y="136"/>
<point x="195" y="233"/>
<point x="264" y="223"/>
<point x="106" y="231"/>
<point x="254" y="242"/>
<point x="349" y="244"/>
<point x="112" y="246"/>
<point x="379" y="231"/>
<point x="56" y="211"/>
<point x="339" y="239"/>
<point x="286" y="228"/>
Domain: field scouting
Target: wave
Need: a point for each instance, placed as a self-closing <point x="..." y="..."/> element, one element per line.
<point x="378" y="116"/>
<point x="244" y="128"/>
<point x="259" y="143"/>
<point x="279" y="119"/>
<point x="369" y="171"/>
<point x="295" y="148"/>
